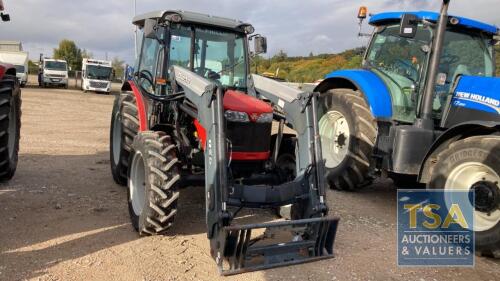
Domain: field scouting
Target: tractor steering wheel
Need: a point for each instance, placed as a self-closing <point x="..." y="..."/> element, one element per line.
<point x="148" y="77"/>
<point x="146" y="74"/>
<point x="407" y="69"/>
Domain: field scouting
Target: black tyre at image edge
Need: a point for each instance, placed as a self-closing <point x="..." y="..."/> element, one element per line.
<point x="124" y="127"/>
<point x="351" y="171"/>
<point x="153" y="183"/>
<point x="471" y="153"/>
<point x="10" y="125"/>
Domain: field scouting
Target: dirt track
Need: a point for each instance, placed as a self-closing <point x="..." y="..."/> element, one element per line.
<point x="63" y="217"/>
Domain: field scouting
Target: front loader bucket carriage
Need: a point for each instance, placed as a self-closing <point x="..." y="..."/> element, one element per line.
<point x="202" y="114"/>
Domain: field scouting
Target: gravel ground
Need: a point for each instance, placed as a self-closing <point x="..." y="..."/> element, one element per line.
<point x="65" y="219"/>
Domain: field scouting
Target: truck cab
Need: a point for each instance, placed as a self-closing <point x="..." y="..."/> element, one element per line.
<point x="53" y="72"/>
<point x="96" y="75"/>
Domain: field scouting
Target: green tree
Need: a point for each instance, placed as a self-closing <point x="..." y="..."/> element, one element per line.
<point x="69" y="52"/>
<point x="118" y="67"/>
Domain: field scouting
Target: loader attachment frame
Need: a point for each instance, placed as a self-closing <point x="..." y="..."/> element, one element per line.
<point x="243" y="248"/>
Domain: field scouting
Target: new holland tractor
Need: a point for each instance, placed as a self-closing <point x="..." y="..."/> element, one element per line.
<point x="193" y="115"/>
<point x="10" y="115"/>
<point x="424" y="108"/>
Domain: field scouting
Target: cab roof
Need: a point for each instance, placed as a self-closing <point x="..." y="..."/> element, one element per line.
<point x="191" y="17"/>
<point x="383" y="18"/>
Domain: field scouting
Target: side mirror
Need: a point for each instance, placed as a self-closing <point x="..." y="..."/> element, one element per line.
<point x="150" y="29"/>
<point x="409" y="25"/>
<point x="260" y="45"/>
<point x="5" y="17"/>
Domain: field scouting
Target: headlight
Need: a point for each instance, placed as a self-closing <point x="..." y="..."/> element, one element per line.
<point x="265" y="118"/>
<point x="236" y="116"/>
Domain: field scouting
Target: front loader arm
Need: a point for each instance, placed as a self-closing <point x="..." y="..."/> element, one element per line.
<point x="208" y="99"/>
<point x="300" y="110"/>
<point x="240" y="248"/>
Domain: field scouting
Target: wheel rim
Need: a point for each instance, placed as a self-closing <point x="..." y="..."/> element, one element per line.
<point x="117" y="139"/>
<point x="12" y="131"/>
<point x="137" y="183"/>
<point x="335" y="138"/>
<point x="484" y="180"/>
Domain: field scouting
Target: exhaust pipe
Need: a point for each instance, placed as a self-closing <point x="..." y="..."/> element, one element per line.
<point x="425" y="120"/>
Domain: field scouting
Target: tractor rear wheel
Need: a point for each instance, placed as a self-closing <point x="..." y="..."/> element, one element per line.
<point x="348" y="133"/>
<point x="123" y="129"/>
<point x="474" y="164"/>
<point x="10" y="126"/>
<point x="153" y="183"/>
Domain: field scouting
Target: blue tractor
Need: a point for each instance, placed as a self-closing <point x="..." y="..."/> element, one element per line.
<point x="424" y="108"/>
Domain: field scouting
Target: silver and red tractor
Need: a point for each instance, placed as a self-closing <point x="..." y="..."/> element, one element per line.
<point x="194" y="115"/>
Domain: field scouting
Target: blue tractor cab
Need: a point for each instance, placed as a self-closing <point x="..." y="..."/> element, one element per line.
<point x="423" y="109"/>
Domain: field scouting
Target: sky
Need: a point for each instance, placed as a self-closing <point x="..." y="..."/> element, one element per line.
<point x="298" y="27"/>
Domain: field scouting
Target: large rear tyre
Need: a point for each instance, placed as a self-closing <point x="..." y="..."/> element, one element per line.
<point x="348" y="133"/>
<point x="153" y="183"/>
<point x="474" y="164"/>
<point x="10" y="126"/>
<point x="123" y="129"/>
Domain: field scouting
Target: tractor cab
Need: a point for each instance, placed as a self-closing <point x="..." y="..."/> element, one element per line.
<point x="402" y="59"/>
<point x="213" y="47"/>
<point x="216" y="49"/>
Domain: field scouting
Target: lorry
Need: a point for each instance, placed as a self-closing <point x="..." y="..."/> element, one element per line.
<point x="190" y="116"/>
<point x="20" y="62"/>
<point x="10" y="115"/>
<point x="96" y="75"/>
<point x="423" y="109"/>
<point x="53" y="72"/>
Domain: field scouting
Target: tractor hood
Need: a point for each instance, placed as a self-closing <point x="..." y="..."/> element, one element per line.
<point x="478" y="93"/>
<point x="238" y="101"/>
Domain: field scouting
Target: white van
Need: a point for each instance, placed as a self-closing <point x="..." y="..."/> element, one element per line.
<point x="53" y="72"/>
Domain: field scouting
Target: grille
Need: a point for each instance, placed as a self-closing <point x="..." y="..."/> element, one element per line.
<point x="56" y="75"/>
<point x="95" y="84"/>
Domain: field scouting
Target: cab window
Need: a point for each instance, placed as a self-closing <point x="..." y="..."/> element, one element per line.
<point x="148" y="64"/>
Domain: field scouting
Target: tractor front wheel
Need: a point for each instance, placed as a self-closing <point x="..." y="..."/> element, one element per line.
<point x="348" y="133"/>
<point x="474" y="164"/>
<point x="153" y="183"/>
<point x="10" y="126"/>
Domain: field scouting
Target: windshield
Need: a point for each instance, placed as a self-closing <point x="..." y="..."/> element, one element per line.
<point x="399" y="62"/>
<point x="56" y="65"/>
<point x="98" y="72"/>
<point x="218" y="55"/>
<point x="402" y="64"/>
<point x="19" y="68"/>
